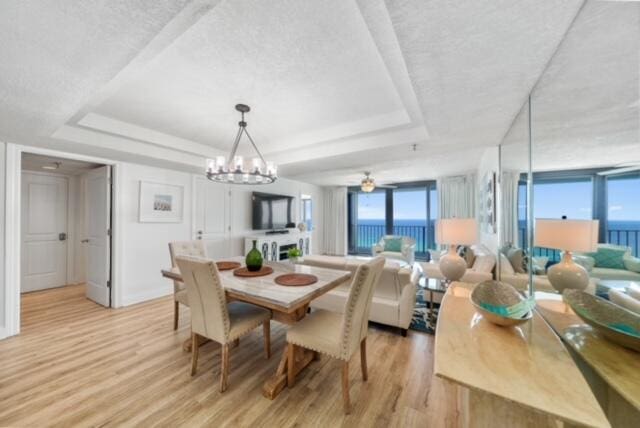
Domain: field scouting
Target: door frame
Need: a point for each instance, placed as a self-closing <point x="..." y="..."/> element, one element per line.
<point x="13" y="233"/>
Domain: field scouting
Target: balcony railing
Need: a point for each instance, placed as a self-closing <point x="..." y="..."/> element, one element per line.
<point x="628" y="238"/>
<point x="366" y="235"/>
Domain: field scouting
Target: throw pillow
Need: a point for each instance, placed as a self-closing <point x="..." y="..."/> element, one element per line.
<point x="610" y="258"/>
<point x="632" y="264"/>
<point x="393" y="245"/>
<point x="505" y="266"/>
<point x="506" y="248"/>
<point x="585" y="261"/>
<point x="467" y="254"/>
<point x="540" y="265"/>
<point x="518" y="260"/>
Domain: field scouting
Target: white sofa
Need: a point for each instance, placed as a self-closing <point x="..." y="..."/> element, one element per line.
<point x="631" y="272"/>
<point x="481" y="270"/>
<point x="394" y="296"/>
<point x="407" y="254"/>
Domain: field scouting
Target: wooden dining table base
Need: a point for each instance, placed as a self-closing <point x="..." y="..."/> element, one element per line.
<point x="303" y="357"/>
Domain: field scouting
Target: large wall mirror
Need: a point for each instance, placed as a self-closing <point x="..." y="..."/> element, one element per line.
<point x="585" y="133"/>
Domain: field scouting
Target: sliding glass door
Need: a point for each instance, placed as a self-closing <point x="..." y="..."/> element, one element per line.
<point x="367" y="220"/>
<point x="614" y="200"/>
<point x="623" y="211"/>
<point x="406" y="210"/>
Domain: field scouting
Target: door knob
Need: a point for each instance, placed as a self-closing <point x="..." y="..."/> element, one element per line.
<point x="62" y="236"/>
<point x="84" y="241"/>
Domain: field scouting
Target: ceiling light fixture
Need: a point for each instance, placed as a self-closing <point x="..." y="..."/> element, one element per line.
<point x="234" y="169"/>
<point x="367" y="184"/>
<point x="53" y="167"/>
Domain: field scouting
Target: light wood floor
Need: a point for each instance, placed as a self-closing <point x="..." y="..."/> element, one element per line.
<point x="77" y="364"/>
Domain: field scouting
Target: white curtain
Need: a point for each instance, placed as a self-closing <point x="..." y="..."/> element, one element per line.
<point x="509" y="207"/>
<point x="335" y="221"/>
<point x="457" y="196"/>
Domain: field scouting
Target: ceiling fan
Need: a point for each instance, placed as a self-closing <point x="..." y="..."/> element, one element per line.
<point x="368" y="184"/>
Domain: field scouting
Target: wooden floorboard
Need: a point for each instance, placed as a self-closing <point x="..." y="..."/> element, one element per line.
<point x="78" y="364"/>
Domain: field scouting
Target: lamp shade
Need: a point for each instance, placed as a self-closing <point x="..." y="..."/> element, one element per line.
<point x="567" y="235"/>
<point x="457" y="231"/>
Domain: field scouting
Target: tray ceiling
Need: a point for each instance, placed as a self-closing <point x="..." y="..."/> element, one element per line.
<point x="335" y="86"/>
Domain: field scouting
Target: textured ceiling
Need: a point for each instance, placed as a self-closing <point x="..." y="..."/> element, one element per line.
<point x="336" y="86"/>
<point x="56" y="54"/>
<point x="585" y="108"/>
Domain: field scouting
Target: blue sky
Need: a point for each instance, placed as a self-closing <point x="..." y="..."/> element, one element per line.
<point x="550" y="201"/>
<point x="407" y="205"/>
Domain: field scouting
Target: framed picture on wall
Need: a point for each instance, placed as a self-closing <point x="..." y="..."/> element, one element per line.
<point x="487" y="203"/>
<point x="160" y="203"/>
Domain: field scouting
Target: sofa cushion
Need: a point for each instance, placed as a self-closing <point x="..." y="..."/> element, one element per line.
<point x="505" y="265"/>
<point x="632" y="264"/>
<point x="621" y="274"/>
<point x="484" y="263"/>
<point x="393" y="245"/>
<point x="610" y="258"/>
<point x="626" y="301"/>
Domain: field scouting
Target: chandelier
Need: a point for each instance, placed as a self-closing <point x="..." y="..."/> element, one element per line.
<point x="237" y="170"/>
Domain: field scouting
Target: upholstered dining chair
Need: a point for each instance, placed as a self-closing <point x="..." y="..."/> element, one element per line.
<point x="213" y="318"/>
<point x="339" y="335"/>
<point x="184" y="248"/>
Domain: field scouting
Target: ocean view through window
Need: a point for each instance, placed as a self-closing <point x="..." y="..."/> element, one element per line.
<point x="615" y="202"/>
<point x="409" y="210"/>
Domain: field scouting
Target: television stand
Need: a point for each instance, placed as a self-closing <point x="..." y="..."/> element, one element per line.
<point x="275" y="247"/>
<point x="277" y="232"/>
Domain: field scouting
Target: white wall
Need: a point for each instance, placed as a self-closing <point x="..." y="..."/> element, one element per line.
<point x="490" y="162"/>
<point x="144" y="246"/>
<point x="3" y="298"/>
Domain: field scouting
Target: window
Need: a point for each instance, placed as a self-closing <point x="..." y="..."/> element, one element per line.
<point x="410" y="215"/>
<point x="623" y="212"/>
<point x="370" y="221"/>
<point x="409" y="210"/>
<point x="572" y="198"/>
<point x="307" y="211"/>
<point x="556" y="195"/>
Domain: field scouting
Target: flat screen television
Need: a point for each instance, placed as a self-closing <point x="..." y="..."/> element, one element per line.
<point x="271" y="211"/>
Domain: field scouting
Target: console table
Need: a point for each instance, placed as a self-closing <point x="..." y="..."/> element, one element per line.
<point x="612" y="370"/>
<point x="509" y="377"/>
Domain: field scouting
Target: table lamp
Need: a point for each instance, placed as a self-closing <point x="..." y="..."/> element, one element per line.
<point x="453" y="232"/>
<point x="569" y="236"/>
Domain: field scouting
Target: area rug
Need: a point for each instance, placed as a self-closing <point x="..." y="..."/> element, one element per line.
<point x="419" y="320"/>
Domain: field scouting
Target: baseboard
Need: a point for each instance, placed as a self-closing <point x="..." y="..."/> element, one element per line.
<point x="143" y="296"/>
<point x="3" y="333"/>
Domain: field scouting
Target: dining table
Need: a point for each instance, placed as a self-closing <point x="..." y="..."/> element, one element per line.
<point x="288" y="304"/>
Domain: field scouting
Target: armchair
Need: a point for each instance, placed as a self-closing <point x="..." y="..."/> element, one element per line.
<point x="396" y="247"/>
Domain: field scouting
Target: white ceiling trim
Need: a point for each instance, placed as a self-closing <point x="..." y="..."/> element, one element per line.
<point x="125" y="145"/>
<point x="100" y="123"/>
<point x="337" y="148"/>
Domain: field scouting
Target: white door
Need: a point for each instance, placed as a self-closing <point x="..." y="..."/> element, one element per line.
<point x="97" y="241"/>
<point x="44" y="231"/>
<point x="211" y="216"/>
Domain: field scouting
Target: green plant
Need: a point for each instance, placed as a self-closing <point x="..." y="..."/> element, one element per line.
<point x="294" y="253"/>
